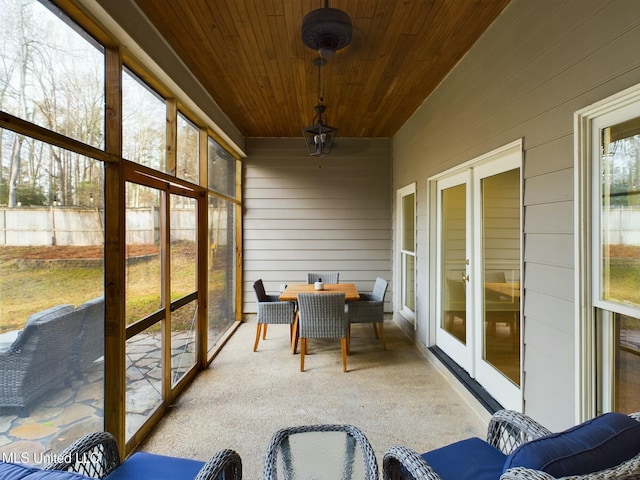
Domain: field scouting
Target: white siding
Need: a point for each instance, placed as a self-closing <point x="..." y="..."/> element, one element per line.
<point x="537" y="64"/>
<point x="305" y="214"/>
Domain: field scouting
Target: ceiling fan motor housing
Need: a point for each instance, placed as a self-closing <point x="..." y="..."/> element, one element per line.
<point x="326" y="30"/>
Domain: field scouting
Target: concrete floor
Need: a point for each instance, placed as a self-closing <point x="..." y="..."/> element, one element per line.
<point x="395" y="397"/>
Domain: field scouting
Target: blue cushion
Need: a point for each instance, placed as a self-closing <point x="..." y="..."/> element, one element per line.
<point x="468" y="459"/>
<point x="17" y="471"/>
<point x="143" y="465"/>
<point x="600" y="443"/>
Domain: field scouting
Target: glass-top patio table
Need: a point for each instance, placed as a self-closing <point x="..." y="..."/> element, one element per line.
<point x="320" y="452"/>
<point x="290" y="294"/>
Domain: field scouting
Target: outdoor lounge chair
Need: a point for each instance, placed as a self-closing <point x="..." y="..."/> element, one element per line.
<point x="89" y="344"/>
<point x="370" y="309"/>
<point x="96" y="456"/>
<point x="517" y="447"/>
<point x="37" y="362"/>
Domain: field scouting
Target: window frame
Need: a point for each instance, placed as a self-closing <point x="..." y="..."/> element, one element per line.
<point x="593" y="358"/>
<point x="402" y="193"/>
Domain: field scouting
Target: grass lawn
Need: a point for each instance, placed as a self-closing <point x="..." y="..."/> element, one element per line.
<point x="25" y="289"/>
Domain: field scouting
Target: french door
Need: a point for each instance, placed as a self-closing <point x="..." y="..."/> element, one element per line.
<point x="478" y="225"/>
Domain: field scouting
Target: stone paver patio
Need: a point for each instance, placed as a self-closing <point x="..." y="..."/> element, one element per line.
<point x="70" y="412"/>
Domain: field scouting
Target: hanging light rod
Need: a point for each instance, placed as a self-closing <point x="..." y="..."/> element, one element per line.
<point x="326" y="30"/>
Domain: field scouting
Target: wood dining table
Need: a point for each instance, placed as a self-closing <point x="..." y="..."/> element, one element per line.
<point x="290" y="294"/>
<point x="511" y="289"/>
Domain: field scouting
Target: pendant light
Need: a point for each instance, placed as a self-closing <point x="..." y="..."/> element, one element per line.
<point x="319" y="137"/>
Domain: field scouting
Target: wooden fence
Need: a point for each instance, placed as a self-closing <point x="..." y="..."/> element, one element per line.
<point x="39" y="226"/>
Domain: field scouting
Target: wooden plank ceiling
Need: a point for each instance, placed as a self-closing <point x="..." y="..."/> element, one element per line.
<point x="249" y="55"/>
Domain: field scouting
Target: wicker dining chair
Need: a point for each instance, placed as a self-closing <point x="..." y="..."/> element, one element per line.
<point x="318" y="448"/>
<point x="271" y="311"/>
<point x="331" y="277"/>
<point x="322" y="315"/>
<point x="370" y="309"/>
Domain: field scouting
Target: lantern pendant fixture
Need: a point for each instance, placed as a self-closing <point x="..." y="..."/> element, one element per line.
<point x="320" y="136"/>
<point x="325" y="30"/>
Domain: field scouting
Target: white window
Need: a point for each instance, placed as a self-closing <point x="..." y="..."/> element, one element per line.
<point x="608" y="254"/>
<point x="407" y="243"/>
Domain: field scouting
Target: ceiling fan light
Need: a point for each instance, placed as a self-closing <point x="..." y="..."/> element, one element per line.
<point x="326" y="52"/>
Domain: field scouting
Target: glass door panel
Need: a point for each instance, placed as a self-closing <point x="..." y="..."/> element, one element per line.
<point x="143" y="305"/>
<point x="221" y="278"/>
<point x="183" y="311"/>
<point x="143" y="365"/>
<point x="501" y="266"/>
<point x="143" y="295"/>
<point x="183" y="340"/>
<point x="453" y="334"/>
<point x="454" y="256"/>
<point x="496" y="280"/>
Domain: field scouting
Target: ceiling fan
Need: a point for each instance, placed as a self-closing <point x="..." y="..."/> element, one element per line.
<point x="326" y="30"/>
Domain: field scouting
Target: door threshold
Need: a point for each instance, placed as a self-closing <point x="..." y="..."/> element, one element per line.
<point x="478" y="392"/>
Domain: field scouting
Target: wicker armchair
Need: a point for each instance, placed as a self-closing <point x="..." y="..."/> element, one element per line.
<point x="89" y="344"/>
<point x="332" y="277"/>
<point x="323" y="315"/>
<point x="507" y="431"/>
<point x="304" y="446"/>
<point x="96" y="455"/>
<point x="38" y="360"/>
<point x="271" y="311"/>
<point x="370" y="309"/>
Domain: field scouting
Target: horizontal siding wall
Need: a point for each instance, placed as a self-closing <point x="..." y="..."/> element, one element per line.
<point x="306" y="214"/>
<point x="538" y="63"/>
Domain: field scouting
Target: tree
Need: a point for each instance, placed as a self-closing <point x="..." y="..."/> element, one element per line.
<point x="53" y="76"/>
